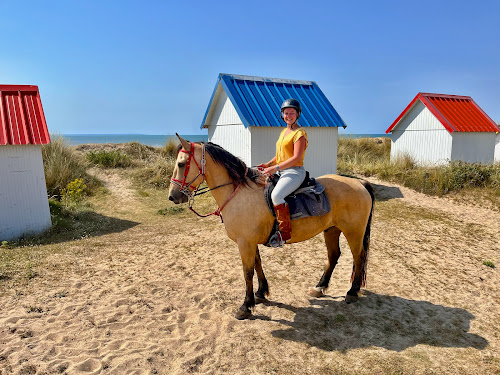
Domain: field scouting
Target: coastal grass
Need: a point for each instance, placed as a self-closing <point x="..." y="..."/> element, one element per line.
<point x="109" y="159"/>
<point x="62" y="165"/>
<point x="371" y="157"/>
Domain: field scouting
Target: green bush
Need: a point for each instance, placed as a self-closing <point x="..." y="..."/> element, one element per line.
<point x="62" y="165"/>
<point x="109" y="159"/>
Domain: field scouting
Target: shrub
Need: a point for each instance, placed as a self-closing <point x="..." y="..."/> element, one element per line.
<point x="74" y="192"/>
<point x="62" y="165"/>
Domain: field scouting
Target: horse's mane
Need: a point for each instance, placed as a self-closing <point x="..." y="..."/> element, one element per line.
<point x="236" y="168"/>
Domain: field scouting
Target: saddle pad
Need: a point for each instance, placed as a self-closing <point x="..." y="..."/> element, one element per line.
<point x="309" y="199"/>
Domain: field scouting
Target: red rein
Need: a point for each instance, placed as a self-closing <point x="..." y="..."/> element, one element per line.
<point x="186" y="186"/>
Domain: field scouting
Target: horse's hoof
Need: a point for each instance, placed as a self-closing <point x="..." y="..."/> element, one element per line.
<point x="260" y="300"/>
<point x="317" y="292"/>
<point x="243" y="314"/>
<point x="351" y="299"/>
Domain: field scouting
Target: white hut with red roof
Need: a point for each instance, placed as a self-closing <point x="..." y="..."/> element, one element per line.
<point x="437" y="128"/>
<point x="24" y="207"/>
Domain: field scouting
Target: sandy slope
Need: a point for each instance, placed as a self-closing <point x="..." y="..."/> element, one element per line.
<point x="159" y="298"/>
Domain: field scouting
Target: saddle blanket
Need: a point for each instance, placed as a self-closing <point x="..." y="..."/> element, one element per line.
<point x="309" y="199"/>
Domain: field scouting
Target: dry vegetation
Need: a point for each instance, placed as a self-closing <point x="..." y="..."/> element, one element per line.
<point x="128" y="283"/>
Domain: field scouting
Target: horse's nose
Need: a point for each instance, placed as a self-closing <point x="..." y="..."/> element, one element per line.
<point x="170" y="198"/>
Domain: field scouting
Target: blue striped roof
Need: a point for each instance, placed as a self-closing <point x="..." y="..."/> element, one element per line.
<point x="257" y="101"/>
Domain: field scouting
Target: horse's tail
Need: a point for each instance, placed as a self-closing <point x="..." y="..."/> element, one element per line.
<point x="366" y="237"/>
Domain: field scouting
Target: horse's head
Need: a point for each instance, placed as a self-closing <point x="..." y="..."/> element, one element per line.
<point x="188" y="172"/>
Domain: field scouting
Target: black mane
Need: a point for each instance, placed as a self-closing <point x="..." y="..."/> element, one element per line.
<point x="236" y="168"/>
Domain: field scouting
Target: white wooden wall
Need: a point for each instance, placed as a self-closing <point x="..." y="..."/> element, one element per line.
<point x="422" y="136"/>
<point x="497" y="148"/>
<point x="473" y="147"/>
<point x="24" y="207"/>
<point x="227" y="130"/>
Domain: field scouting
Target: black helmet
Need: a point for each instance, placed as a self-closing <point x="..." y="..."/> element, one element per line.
<point x="291" y="103"/>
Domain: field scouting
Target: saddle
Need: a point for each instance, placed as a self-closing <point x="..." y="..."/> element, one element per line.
<point x="309" y="199"/>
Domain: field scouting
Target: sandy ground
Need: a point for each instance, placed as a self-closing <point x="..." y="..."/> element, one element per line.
<point x="157" y="296"/>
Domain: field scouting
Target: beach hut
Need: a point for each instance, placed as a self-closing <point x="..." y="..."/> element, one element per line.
<point x="24" y="207"/>
<point x="243" y="116"/>
<point x="437" y="128"/>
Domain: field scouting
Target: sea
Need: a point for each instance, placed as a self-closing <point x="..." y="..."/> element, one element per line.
<point x="159" y="140"/>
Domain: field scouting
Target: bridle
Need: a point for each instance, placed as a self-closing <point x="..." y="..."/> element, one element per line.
<point x="185" y="186"/>
<point x="191" y="191"/>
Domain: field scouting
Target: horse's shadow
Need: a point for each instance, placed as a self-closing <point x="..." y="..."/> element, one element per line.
<point x="390" y="322"/>
<point x="385" y="193"/>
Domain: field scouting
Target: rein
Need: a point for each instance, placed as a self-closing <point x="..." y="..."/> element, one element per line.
<point x="186" y="186"/>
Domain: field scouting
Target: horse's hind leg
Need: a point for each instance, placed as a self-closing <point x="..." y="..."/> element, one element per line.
<point x="358" y="276"/>
<point x="247" y="253"/>
<point x="263" y="291"/>
<point x="331" y="235"/>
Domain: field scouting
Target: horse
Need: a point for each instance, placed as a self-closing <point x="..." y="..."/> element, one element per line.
<point x="239" y="194"/>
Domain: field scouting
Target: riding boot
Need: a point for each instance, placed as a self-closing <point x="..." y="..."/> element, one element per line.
<point x="283" y="217"/>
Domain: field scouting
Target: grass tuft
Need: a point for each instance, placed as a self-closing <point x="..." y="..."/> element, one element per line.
<point x="489" y="263"/>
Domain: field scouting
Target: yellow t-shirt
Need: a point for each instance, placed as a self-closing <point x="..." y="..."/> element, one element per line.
<point x="284" y="146"/>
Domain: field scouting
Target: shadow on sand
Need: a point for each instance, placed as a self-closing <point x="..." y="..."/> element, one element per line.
<point x="389" y="322"/>
<point x="384" y="193"/>
<point x="82" y="225"/>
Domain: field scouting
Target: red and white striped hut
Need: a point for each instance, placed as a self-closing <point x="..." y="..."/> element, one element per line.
<point x="437" y="128"/>
<point x="24" y="207"/>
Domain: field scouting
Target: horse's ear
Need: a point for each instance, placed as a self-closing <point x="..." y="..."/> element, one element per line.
<point x="185" y="144"/>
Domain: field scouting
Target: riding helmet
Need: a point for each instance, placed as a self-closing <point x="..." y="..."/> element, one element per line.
<point x="291" y="103"/>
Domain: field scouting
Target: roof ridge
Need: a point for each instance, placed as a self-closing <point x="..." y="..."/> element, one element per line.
<point x="266" y="79"/>
<point x="427" y="94"/>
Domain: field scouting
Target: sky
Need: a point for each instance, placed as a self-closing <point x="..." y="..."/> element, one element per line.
<point x="150" y="67"/>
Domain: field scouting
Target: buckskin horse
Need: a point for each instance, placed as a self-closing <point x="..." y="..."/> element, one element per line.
<point x="239" y="194"/>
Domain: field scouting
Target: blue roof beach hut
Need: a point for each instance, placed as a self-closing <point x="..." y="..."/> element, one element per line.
<point x="243" y="116"/>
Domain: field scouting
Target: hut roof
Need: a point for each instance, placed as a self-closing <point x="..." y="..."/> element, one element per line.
<point x="22" y="120"/>
<point x="456" y="113"/>
<point x="258" y="100"/>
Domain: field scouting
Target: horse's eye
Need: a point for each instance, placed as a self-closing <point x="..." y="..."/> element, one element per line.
<point x="181" y="165"/>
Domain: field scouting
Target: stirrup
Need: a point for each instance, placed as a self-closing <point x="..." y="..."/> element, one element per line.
<point x="276" y="240"/>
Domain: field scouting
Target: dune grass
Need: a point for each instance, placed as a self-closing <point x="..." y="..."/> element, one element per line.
<point x="62" y="165"/>
<point x="371" y="157"/>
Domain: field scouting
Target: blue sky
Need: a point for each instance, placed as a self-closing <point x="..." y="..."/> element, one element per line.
<point x="111" y="67"/>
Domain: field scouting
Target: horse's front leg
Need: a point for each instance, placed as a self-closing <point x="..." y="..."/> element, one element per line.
<point x="247" y="253"/>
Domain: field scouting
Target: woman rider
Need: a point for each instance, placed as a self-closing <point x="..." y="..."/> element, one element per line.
<point x="289" y="165"/>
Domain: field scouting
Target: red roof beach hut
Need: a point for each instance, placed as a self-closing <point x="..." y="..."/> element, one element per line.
<point x="437" y="128"/>
<point x="24" y="207"/>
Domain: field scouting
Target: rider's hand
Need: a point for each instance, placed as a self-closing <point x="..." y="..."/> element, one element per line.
<point x="262" y="166"/>
<point x="270" y="171"/>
